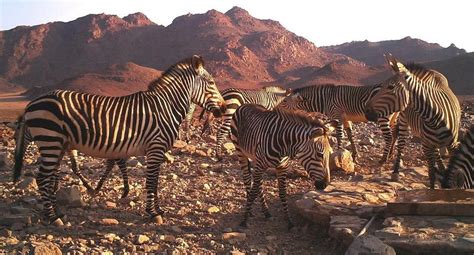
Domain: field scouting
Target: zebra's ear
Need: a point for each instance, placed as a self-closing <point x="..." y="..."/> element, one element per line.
<point x="198" y="63"/>
<point x="317" y="131"/>
<point x="396" y="65"/>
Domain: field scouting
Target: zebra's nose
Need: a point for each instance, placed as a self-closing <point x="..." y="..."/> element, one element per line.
<point x="223" y="108"/>
<point x="320" y="185"/>
<point x="370" y="115"/>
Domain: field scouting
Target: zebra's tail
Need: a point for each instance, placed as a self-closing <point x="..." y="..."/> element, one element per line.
<point x="19" y="148"/>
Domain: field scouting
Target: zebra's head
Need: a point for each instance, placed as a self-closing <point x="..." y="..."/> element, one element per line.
<point x="393" y="95"/>
<point x="314" y="156"/>
<point x="205" y="92"/>
<point x="453" y="179"/>
<point x="295" y="101"/>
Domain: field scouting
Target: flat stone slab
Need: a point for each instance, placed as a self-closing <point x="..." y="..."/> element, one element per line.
<point x="429" y="234"/>
<point x="433" y="202"/>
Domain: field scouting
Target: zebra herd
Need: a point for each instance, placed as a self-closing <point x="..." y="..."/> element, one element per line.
<point x="267" y="127"/>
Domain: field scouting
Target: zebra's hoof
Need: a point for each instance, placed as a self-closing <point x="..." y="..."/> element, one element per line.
<point x="58" y="223"/>
<point x="395" y="177"/>
<point x="291" y="227"/>
<point x="124" y="194"/>
<point x="158" y="220"/>
<point x="268" y="216"/>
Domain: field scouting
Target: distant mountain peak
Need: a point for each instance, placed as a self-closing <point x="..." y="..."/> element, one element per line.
<point x="138" y="19"/>
<point x="237" y="12"/>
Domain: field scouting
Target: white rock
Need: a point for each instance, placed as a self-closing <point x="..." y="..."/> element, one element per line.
<point x="369" y="244"/>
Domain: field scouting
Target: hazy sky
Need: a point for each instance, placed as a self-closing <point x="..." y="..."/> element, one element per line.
<point x="322" y="22"/>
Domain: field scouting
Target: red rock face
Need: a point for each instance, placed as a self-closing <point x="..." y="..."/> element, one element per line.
<point x="407" y="49"/>
<point x="239" y="50"/>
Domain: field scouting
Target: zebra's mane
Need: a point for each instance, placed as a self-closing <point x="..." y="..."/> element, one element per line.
<point x="419" y="70"/>
<point x="299" y="117"/>
<point x="315" y="86"/>
<point x="161" y="81"/>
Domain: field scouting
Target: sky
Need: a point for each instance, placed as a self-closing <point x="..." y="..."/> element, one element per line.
<point x="324" y="23"/>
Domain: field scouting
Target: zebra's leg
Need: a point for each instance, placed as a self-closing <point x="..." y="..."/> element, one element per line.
<point x="402" y="134"/>
<point x="109" y="165"/>
<point x="155" y="157"/>
<point x="431" y="156"/>
<point x="246" y="168"/>
<point x="47" y="177"/>
<point x="75" y="170"/>
<point x="388" y="137"/>
<point x="348" y="129"/>
<point x="254" y="191"/>
<point x="282" y="177"/>
<point x="222" y="133"/>
<point x="122" y="164"/>
<point x="339" y="130"/>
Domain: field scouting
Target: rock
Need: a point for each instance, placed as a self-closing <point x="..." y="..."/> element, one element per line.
<point x="417" y="185"/>
<point x="20" y="210"/>
<point x="29" y="183"/>
<point x="142" y="239"/>
<point x="70" y="196"/>
<point x="204" y="165"/>
<point x="371" y="198"/>
<point x="469" y="237"/>
<point x="388" y="232"/>
<point x="110" y="204"/>
<point x="237" y="252"/>
<point x="5" y="232"/>
<point x="11" y="241"/>
<point x="93" y="164"/>
<point x="229" y="146"/>
<point x="190" y="148"/>
<point x="305" y="203"/>
<point x="271" y="238"/>
<point x="345" y="227"/>
<point x="17" y="226"/>
<point x="367" y="141"/>
<point x="392" y="222"/>
<point x="133" y="163"/>
<point x="234" y="237"/>
<point x="108" y="221"/>
<point x="213" y="209"/>
<point x="200" y="153"/>
<point x="206" y="186"/>
<point x="341" y="160"/>
<point x="47" y="248"/>
<point x="169" y="158"/>
<point x="172" y="176"/>
<point x="9" y="220"/>
<point x="176" y="229"/>
<point x="167" y="238"/>
<point x="369" y="244"/>
<point x="179" y="144"/>
<point x="3" y="159"/>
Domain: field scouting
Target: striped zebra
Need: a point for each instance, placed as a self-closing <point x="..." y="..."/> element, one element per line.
<point x="460" y="171"/>
<point x="269" y="139"/>
<point x="110" y="163"/>
<point x="427" y="106"/>
<point x="185" y="131"/>
<point x="142" y="123"/>
<point x="268" y="97"/>
<point x="343" y="103"/>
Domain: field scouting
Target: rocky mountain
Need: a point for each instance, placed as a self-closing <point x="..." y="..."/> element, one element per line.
<point x="407" y="49"/>
<point x="239" y="49"/>
<point x="115" y="80"/>
<point x="460" y="72"/>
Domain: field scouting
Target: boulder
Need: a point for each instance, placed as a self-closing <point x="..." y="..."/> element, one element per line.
<point x="369" y="244"/>
<point x="29" y="183"/>
<point x="47" y="248"/>
<point x="70" y="196"/>
<point x="341" y="160"/>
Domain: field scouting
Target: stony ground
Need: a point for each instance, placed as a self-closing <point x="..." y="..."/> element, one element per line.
<point x="203" y="200"/>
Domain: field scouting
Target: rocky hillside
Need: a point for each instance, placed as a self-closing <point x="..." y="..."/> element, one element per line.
<point x="407" y="49"/>
<point x="460" y="72"/>
<point x="115" y="80"/>
<point x="240" y="50"/>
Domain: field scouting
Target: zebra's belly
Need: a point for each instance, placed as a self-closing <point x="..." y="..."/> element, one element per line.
<point x="355" y="117"/>
<point x="110" y="152"/>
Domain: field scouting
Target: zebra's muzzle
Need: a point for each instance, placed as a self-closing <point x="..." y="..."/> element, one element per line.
<point x="371" y="115"/>
<point x="320" y="185"/>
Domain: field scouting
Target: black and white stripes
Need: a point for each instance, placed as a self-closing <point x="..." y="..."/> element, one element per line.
<point x="426" y="105"/>
<point x="460" y="171"/>
<point x="143" y="123"/>
<point x="269" y="139"/>
<point x="343" y="103"/>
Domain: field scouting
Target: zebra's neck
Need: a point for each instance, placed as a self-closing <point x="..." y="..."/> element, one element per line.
<point x="175" y="91"/>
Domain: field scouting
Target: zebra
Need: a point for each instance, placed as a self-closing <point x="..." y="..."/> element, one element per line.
<point x="110" y="163"/>
<point x="142" y="123"/>
<point x="185" y="132"/>
<point x="268" y="97"/>
<point x="269" y="139"/>
<point x="460" y="171"/>
<point x="427" y="106"/>
<point x="345" y="104"/>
